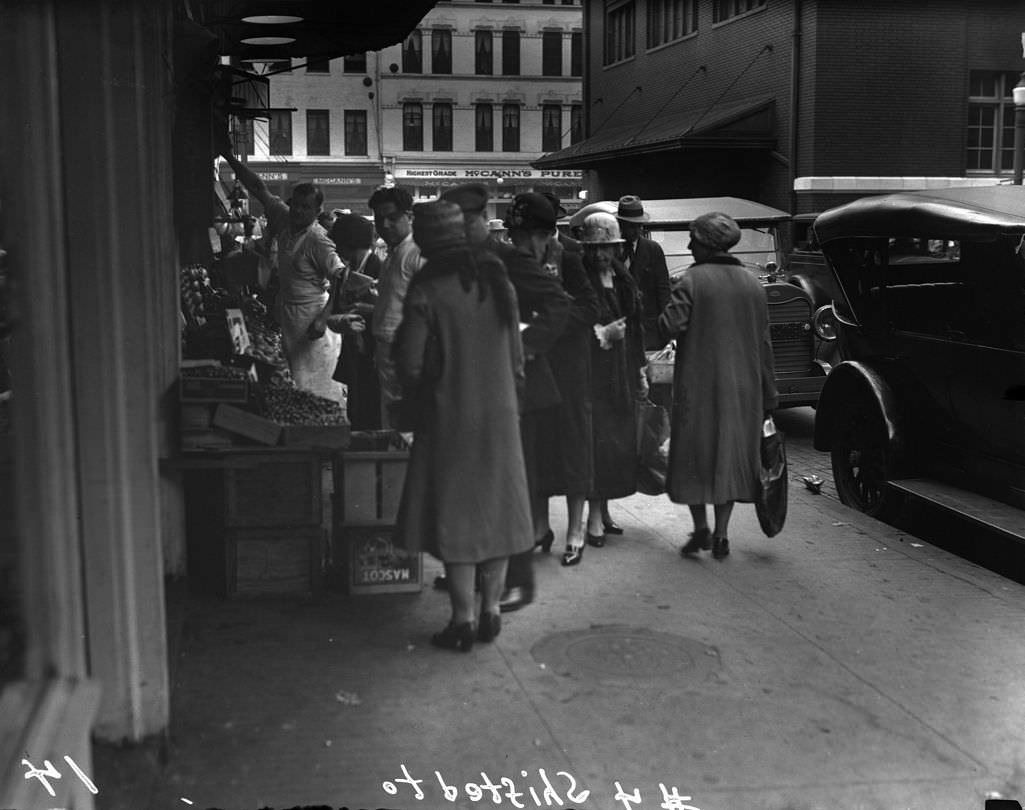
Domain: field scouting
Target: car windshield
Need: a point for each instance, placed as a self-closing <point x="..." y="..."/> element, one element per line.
<point x="756" y="248"/>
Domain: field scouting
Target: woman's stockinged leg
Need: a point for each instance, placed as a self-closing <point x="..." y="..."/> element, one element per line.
<point x="492" y="583"/>
<point x="723" y="512"/>
<point x="595" y="525"/>
<point x="699" y="515"/>
<point x="460" y="591"/>
<point x="575" y="520"/>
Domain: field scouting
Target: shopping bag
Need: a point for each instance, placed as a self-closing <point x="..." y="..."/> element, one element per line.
<point x="652" y="448"/>
<point x="771" y="505"/>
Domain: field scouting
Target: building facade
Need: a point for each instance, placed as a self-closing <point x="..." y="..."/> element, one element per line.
<point x="799" y="104"/>
<point x="475" y="94"/>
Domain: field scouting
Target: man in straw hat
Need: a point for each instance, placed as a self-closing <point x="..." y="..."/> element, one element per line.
<point x="646" y="262"/>
<point x="544" y="310"/>
<point x="719" y="317"/>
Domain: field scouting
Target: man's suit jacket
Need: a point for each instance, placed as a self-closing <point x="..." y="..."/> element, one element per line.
<point x="648" y="267"/>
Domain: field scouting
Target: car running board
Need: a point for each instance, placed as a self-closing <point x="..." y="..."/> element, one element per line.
<point x="1008" y="520"/>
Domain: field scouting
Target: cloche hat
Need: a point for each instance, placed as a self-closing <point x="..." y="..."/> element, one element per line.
<point x="438" y="226"/>
<point x="716" y="230"/>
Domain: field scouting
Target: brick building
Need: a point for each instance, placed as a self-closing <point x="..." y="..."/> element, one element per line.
<point x="475" y="93"/>
<point x="799" y="104"/>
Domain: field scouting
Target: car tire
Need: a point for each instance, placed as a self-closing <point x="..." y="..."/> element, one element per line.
<point x="863" y="462"/>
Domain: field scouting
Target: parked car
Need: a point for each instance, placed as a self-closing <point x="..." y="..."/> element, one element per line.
<point x="801" y="355"/>
<point x="930" y="397"/>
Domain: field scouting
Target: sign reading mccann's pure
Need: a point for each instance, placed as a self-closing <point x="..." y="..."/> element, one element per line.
<point x="447" y="173"/>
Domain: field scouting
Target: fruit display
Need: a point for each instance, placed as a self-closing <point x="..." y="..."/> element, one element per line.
<point x="214" y="372"/>
<point x="291" y="406"/>
<point x="193" y="280"/>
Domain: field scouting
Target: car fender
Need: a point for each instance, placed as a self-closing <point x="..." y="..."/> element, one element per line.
<point x="818" y="296"/>
<point x="847" y="380"/>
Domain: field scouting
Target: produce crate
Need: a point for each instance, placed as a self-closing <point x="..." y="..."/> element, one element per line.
<point x="211" y="439"/>
<point x="274" y="490"/>
<point x="377" y="566"/>
<point x="371" y="486"/>
<point x="333" y="437"/>
<point x="274" y="562"/>
<point x="196" y="416"/>
<point x="213" y="389"/>
<point x="247" y="424"/>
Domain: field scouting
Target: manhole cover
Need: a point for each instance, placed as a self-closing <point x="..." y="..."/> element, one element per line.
<point x="631" y="656"/>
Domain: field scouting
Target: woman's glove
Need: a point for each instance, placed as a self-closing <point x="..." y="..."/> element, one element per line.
<point x="610" y="333"/>
<point x="348" y="323"/>
<point x="644" y="388"/>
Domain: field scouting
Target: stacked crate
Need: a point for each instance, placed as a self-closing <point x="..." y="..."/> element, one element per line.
<point x="369" y="491"/>
<point x="273" y="525"/>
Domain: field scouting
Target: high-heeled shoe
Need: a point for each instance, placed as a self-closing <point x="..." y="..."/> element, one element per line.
<point x="545" y="543"/>
<point x="700" y="540"/>
<point x="573" y="555"/>
<point x="489" y="626"/>
<point x="611" y="527"/>
<point x="456" y="637"/>
<point x="596" y="540"/>
<point x="720" y="547"/>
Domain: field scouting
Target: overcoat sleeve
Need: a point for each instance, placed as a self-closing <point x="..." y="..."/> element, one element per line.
<point x="410" y="347"/>
<point x="770" y="398"/>
<point x="660" y="272"/>
<point x="544" y="306"/>
<point x="676" y="316"/>
<point x="584" y="309"/>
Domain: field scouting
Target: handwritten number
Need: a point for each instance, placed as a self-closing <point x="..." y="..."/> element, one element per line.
<point x="45" y="774"/>
<point x="627" y="799"/>
<point x="81" y="775"/>
<point x="674" y="801"/>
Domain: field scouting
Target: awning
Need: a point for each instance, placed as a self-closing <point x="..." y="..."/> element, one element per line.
<point x="741" y="124"/>
<point x="307" y="29"/>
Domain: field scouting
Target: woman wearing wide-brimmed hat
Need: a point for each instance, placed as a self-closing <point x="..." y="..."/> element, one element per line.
<point x="460" y="360"/>
<point x="617" y="355"/>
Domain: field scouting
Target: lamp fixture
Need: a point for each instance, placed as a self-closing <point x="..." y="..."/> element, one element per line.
<point x="272" y="19"/>
<point x="268" y="40"/>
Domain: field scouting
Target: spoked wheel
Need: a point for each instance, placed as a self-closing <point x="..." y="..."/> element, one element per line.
<point x="862" y="464"/>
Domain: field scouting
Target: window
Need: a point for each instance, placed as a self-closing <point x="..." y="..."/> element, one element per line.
<point x="619" y="33"/>
<point x="413" y="127"/>
<point x="484" y="124"/>
<point x="551" y="53"/>
<point x="510" y="53"/>
<point x="725" y="9"/>
<point x="318" y="137"/>
<point x="355" y="63"/>
<point x="280" y="132"/>
<point x="576" y="54"/>
<point x="576" y="123"/>
<point x="412" y="53"/>
<point x="551" y="127"/>
<point x="245" y="137"/>
<point x="317" y="65"/>
<point x="483" y="51"/>
<point x="441" y="50"/>
<point x="671" y="19"/>
<point x="442" y="127"/>
<point x="510" y="127"/>
<point x="990" y="142"/>
<point x="355" y="132"/>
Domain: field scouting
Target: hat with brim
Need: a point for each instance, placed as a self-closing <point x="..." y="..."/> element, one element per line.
<point x="601" y="228"/>
<point x="560" y="212"/>
<point x="530" y="212"/>
<point x="603" y="206"/>
<point x="631" y="209"/>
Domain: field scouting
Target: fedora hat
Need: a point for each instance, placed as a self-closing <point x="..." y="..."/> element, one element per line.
<point x="631" y="209"/>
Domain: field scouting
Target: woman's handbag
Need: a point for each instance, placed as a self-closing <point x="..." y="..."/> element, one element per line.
<point x="652" y="448"/>
<point x="771" y="505"/>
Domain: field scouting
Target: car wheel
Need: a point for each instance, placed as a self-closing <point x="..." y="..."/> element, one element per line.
<point x="862" y="464"/>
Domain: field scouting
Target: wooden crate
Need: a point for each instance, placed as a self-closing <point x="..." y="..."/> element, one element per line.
<point x="333" y="437"/>
<point x="371" y="486"/>
<point x="274" y="562"/>
<point x="274" y="489"/>
<point x="213" y="389"/>
<point x="251" y="425"/>
<point x="375" y="565"/>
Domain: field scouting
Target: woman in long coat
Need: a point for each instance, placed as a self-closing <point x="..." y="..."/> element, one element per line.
<point x="617" y="355"/>
<point x="459" y="358"/>
<point x="723" y="382"/>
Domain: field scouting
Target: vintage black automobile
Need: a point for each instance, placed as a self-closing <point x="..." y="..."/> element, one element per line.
<point x="930" y="396"/>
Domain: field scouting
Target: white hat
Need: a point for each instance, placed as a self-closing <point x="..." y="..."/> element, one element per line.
<point x="577" y="220"/>
<point x="496" y="225"/>
<point x="601" y="229"/>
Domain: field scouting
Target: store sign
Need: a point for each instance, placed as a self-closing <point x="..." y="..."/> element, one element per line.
<point x="448" y="173"/>
<point x="338" y="181"/>
<point x="272" y="175"/>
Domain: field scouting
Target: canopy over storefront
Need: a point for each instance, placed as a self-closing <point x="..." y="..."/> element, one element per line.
<point x="742" y="124"/>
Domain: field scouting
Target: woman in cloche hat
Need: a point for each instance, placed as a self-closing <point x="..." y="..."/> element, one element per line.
<point x="617" y="355"/>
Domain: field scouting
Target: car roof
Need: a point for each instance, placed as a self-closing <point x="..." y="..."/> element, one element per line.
<point x="683" y="210"/>
<point x="948" y="213"/>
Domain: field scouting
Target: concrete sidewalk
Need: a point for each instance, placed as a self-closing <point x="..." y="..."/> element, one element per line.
<point x="839" y="665"/>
